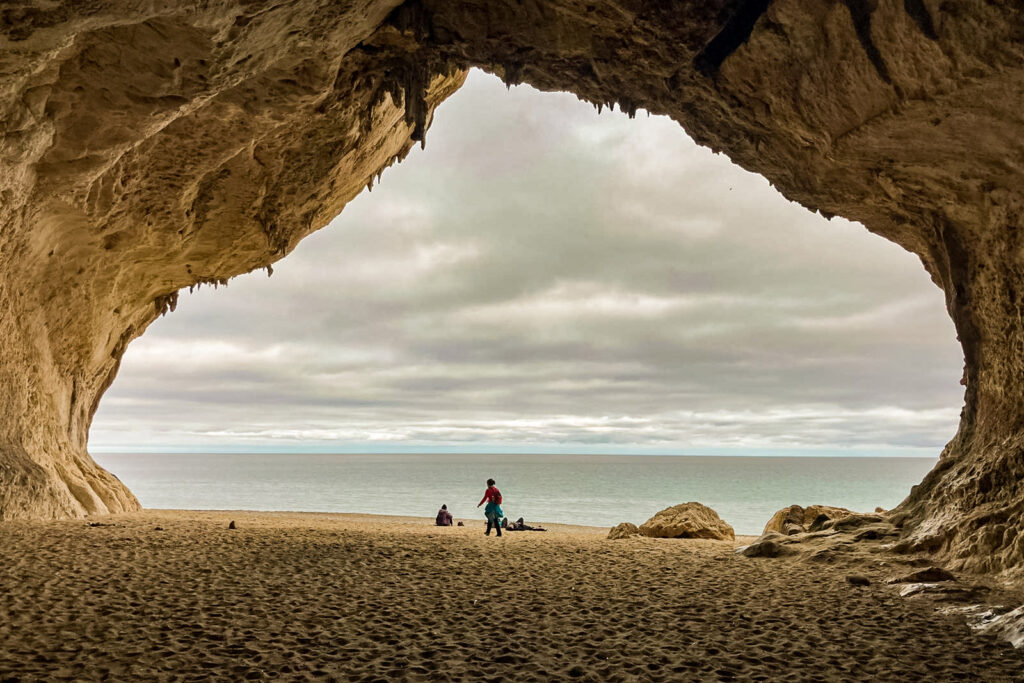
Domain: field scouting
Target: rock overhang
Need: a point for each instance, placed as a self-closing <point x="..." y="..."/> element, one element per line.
<point x="147" y="149"/>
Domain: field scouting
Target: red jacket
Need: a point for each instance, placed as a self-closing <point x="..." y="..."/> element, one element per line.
<point x="491" y="495"/>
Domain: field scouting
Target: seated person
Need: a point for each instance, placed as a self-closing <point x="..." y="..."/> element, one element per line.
<point x="444" y="518"/>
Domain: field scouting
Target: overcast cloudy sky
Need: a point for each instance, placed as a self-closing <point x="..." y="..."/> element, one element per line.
<point x="544" y="278"/>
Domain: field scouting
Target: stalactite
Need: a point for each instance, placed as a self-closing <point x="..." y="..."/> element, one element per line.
<point x="166" y="303"/>
<point x="417" y="78"/>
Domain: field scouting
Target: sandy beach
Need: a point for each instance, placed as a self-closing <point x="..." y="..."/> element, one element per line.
<point x="176" y="595"/>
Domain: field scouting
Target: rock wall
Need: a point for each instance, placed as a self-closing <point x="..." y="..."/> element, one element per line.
<point x="150" y="146"/>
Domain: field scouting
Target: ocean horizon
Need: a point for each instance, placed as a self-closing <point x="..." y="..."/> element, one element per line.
<point x="593" y="490"/>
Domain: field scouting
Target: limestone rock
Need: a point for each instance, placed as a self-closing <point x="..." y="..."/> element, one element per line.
<point x="765" y="547"/>
<point x="929" y="575"/>
<point x="688" y="520"/>
<point x="624" y="530"/>
<point x="876" y="532"/>
<point x="797" y="520"/>
<point x="150" y="147"/>
<point x="943" y="592"/>
<point x="856" y="521"/>
<point x="819" y="523"/>
<point x="1006" y="624"/>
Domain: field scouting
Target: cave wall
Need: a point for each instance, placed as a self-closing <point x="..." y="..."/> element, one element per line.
<point x="903" y="115"/>
<point x="148" y="147"/>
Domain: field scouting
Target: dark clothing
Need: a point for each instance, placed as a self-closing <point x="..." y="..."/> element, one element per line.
<point x="444" y="518"/>
<point x="494" y="523"/>
<point x="520" y="525"/>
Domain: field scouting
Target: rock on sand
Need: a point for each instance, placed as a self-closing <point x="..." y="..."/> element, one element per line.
<point x="796" y="519"/>
<point x="689" y="520"/>
<point x="624" y="530"/>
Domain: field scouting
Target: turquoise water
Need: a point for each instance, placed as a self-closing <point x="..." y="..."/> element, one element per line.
<point x="599" y="490"/>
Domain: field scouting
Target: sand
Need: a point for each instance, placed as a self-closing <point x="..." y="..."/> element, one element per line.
<point x="176" y="595"/>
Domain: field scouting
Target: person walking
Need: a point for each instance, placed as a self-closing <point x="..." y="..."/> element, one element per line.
<point x="493" y="512"/>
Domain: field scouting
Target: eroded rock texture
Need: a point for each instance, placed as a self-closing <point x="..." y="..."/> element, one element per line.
<point x="148" y="147"/>
<point x="687" y="520"/>
<point x="796" y="519"/>
<point x="152" y="146"/>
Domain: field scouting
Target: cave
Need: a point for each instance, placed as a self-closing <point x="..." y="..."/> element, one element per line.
<point x="147" y="149"/>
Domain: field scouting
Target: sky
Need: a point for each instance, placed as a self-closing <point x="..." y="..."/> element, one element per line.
<point x="542" y="278"/>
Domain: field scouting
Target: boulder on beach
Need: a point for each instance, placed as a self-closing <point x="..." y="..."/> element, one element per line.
<point x="624" y="530"/>
<point x="944" y="592"/>
<point x="766" y="546"/>
<point x="797" y="520"/>
<point x="689" y="520"/>
<point x="929" y="575"/>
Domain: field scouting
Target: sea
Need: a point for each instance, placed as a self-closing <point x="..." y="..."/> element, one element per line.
<point x="594" y="490"/>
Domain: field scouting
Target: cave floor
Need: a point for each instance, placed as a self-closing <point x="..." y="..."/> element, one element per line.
<point x="166" y="595"/>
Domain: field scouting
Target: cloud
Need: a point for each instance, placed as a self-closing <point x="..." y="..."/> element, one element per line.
<point x="544" y="277"/>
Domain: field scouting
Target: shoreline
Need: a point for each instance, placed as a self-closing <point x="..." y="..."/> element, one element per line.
<point x="470" y="523"/>
<point x="581" y="490"/>
<point x="177" y="595"/>
<point x="377" y="518"/>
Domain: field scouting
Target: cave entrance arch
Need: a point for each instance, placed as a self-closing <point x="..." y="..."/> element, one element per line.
<point x="543" y="271"/>
<point x="900" y="115"/>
